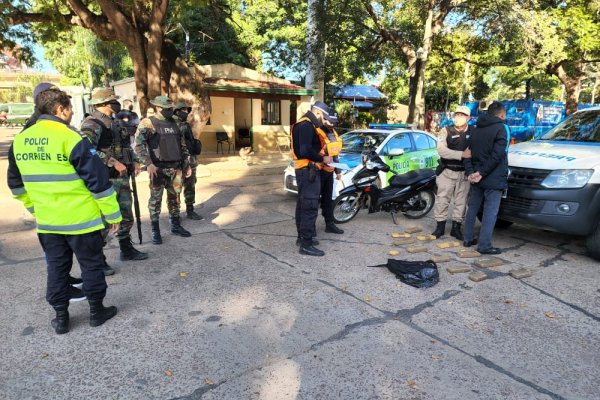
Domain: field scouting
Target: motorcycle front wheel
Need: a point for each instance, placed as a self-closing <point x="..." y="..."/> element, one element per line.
<point x="421" y="204"/>
<point x="345" y="208"/>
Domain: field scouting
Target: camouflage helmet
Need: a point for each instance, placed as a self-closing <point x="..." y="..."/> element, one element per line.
<point x="102" y="95"/>
<point x="180" y="105"/>
<point x="162" y="102"/>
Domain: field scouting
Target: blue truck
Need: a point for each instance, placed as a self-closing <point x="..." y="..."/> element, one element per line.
<point x="527" y="119"/>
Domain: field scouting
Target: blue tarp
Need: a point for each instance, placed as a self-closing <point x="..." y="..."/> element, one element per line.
<point x="362" y="104"/>
<point x="364" y="92"/>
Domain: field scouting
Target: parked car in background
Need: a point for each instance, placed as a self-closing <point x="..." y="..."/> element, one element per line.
<point x="419" y="152"/>
<point x="18" y="113"/>
<point x="554" y="181"/>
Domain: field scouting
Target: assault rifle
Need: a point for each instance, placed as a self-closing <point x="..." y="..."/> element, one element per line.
<point x="128" y="160"/>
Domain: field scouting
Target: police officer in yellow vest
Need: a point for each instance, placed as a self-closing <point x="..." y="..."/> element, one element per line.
<point x="56" y="173"/>
<point x="331" y="146"/>
<point x="306" y="148"/>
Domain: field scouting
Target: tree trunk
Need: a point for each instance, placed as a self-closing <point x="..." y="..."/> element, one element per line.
<point x="416" y="103"/>
<point x="528" y="89"/>
<point x="186" y="83"/>
<point x="315" y="50"/>
<point x="573" y="89"/>
<point x="135" y="48"/>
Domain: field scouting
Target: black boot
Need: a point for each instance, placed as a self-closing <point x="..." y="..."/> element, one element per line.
<point x="61" y="322"/>
<point x="128" y="252"/>
<point x="100" y="314"/>
<point x="332" y="228"/>
<point x="456" y="230"/>
<point x="191" y="214"/>
<point x="177" y="229"/>
<point x="156" y="238"/>
<point x="440" y="229"/>
<point x="307" y="248"/>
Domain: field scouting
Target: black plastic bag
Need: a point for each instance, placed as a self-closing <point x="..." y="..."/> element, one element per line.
<point x="420" y="274"/>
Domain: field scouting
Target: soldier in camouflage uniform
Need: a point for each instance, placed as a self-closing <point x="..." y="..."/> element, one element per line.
<point x="111" y="140"/>
<point x="194" y="148"/>
<point x="161" y="147"/>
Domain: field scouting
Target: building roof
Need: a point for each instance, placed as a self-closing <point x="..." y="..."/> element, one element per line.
<point x="363" y="92"/>
<point x="252" y="86"/>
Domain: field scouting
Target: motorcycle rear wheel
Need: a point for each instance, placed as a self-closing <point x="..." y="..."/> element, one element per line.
<point x="345" y="207"/>
<point x="424" y="195"/>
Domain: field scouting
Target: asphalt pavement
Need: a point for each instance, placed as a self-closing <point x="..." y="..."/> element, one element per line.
<point x="235" y="312"/>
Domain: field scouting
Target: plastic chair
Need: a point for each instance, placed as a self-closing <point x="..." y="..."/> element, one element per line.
<point x="222" y="137"/>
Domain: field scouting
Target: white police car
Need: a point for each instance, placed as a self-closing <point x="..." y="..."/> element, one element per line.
<point x="554" y="180"/>
<point x="419" y="152"/>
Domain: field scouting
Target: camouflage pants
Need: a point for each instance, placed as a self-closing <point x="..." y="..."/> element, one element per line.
<point x="189" y="188"/>
<point x="171" y="180"/>
<point x="123" y="190"/>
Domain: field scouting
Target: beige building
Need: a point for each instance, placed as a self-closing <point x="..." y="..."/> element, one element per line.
<point x="251" y="108"/>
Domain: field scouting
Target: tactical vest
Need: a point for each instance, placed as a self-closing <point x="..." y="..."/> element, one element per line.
<point x="165" y="144"/>
<point x="113" y="137"/>
<point x="328" y="147"/>
<point x="456" y="140"/>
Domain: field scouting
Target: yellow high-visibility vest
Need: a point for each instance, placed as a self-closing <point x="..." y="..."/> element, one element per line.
<point x="53" y="191"/>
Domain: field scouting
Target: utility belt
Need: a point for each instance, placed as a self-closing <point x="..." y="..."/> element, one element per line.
<point x="165" y="165"/>
<point x="452" y="165"/>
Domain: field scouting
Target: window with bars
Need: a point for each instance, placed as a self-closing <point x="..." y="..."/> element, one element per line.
<point x="271" y="112"/>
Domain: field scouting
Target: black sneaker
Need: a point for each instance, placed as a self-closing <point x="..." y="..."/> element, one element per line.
<point x="311" y="251"/>
<point x="75" y="294"/>
<point x="75" y="282"/>
<point x="491" y="250"/>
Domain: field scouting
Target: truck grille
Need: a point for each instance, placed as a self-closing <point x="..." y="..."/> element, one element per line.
<point x="520" y="203"/>
<point x="527" y="177"/>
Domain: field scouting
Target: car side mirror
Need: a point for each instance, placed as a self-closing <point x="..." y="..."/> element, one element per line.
<point x="395" y="153"/>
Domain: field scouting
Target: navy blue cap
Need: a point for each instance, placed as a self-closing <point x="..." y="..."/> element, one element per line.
<point x="42" y="87"/>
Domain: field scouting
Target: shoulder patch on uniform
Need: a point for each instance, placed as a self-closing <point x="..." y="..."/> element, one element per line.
<point x="93" y="151"/>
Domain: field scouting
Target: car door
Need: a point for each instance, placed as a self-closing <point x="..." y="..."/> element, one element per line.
<point x="398" y="164"/>
<point x="424" y="155"/>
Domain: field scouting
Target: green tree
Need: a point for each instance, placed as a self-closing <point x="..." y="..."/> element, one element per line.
<point x="138" y="24"/>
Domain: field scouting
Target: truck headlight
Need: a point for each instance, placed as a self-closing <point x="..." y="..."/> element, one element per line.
<point x="568" y="178"/>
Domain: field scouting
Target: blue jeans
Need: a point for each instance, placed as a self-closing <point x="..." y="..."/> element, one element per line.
<point x="491" y="204"/>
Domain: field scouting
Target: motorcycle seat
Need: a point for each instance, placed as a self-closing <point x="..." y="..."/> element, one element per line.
<point x="411" y="177"/>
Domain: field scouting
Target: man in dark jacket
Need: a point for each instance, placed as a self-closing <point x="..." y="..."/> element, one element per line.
<point x="487" y="170"/>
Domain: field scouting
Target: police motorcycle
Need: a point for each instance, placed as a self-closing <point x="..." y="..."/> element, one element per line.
<point x="411" y="193"/>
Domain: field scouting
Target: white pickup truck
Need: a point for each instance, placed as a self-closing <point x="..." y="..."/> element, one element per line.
<point x="554" y="180"/>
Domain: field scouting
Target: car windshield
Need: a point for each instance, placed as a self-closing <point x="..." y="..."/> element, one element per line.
<point x="580" y="127"/>
<point x="357" y="142"/>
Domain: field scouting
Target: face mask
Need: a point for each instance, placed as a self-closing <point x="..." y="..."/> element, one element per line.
<point x="167" y="113"/>
<point x="182" y="115"/>
<point x="460" y="120"/>
<point x="116" y="107"/>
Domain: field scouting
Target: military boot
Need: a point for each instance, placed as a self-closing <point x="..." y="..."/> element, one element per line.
<point x="100" y="314"/>
<point x="156" y="238"/>
<point x="456" y="230"/>
<point x="440" y="229"/>
<point x="177" y="229"/>
<point x="61" y="322"/>
<point x="128" y="252"/>
<point x="191" y="214"/>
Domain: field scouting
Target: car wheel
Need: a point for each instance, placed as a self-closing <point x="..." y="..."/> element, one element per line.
<point x="423" y="202"/>
<point x="345" y="207"/>
<point x="592" y="243"/>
